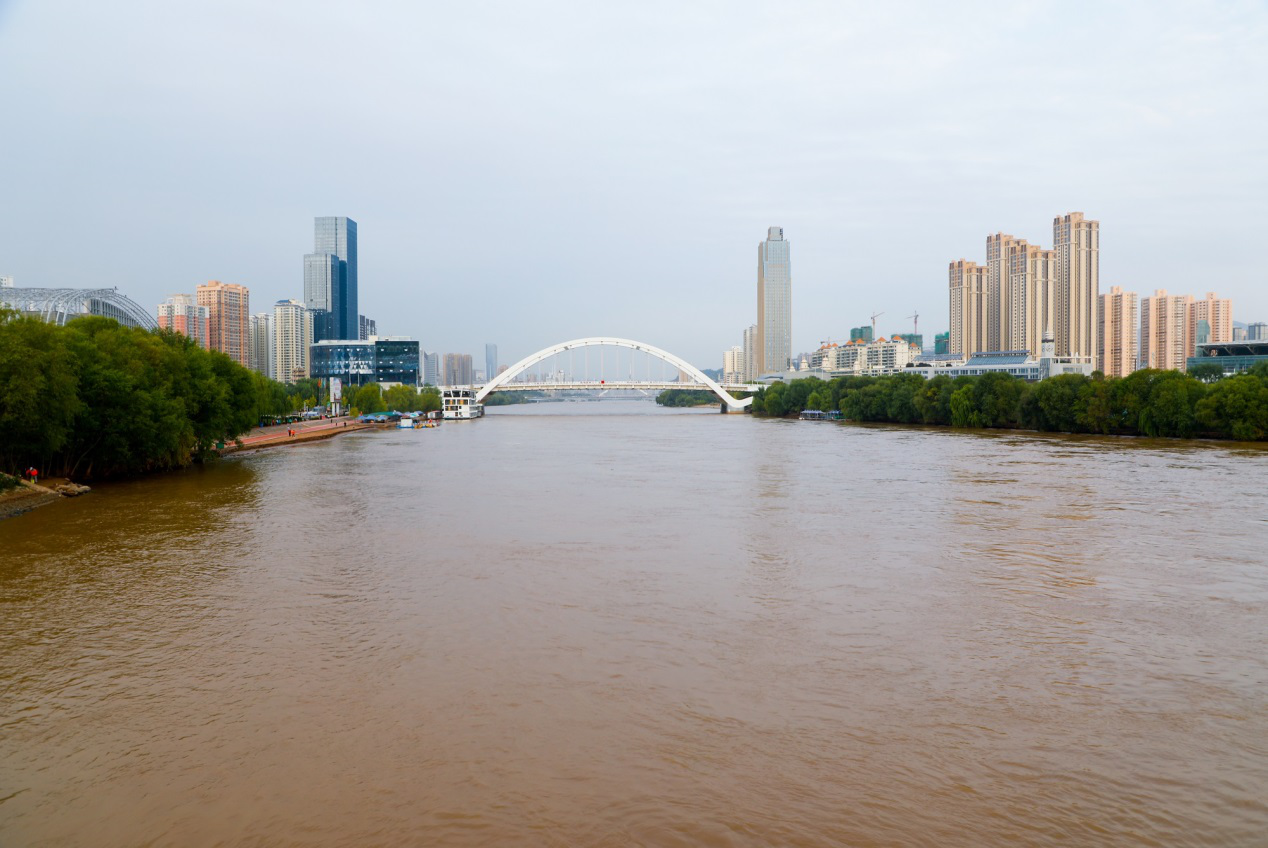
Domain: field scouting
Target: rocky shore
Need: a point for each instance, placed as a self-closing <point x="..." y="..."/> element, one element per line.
<point x="27" y="496"/>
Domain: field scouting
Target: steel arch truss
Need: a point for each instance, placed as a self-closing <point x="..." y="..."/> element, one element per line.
<point x="58" y="305"/>
<point x="595" y="341"/>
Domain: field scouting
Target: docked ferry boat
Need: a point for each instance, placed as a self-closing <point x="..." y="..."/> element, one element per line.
<point x="459" y="403"/>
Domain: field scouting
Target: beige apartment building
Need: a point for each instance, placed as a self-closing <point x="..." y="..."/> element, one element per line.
<point x="997" y="250"/>
<point x="1026" y="307"/>
<point x="1217" y="313"/>
<point x="1117" y="323"/>
<point x="292" y="337"/>
<point x="1077" y="244"/>
<point x="1165" y="340"/>
<point x="969" y="307"/>
<point x="228" y="306"/>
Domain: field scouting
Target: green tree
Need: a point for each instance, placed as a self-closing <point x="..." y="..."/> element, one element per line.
<point x="1207" y="372"/>
<point x="401" y="398"/>
<point x="1236" y="407"/>
<point x="39" y="392"/>
<point x="369" y="399"/>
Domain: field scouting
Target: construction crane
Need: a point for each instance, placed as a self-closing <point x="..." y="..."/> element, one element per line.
<point x="915" y="323"/>
<point x="875" y="315"/>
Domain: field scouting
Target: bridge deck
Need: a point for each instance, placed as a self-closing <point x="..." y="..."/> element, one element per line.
<point x="609" y="385"/>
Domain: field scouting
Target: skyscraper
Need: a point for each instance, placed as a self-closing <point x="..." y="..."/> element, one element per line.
<point x="261" y="344"/>
<point x="1117" y="332"/>
<point x="181" y="314"/>
<point x="1077" y="243"/>
<point x="749" y="372"/>
<point x="774" y="303"/>
<point x="292" y="336"/>
<point x="330" y="274"/>
<point x="368" y="328"/>
<point x="228" y="306"/>
<point x="490" y="361"/>
<point x="431" y="369"/>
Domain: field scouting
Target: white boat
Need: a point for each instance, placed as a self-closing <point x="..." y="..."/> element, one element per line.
<point x="459" y="404"/>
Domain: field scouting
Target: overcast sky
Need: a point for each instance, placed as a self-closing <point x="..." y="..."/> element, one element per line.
<point x="525" y="173"/>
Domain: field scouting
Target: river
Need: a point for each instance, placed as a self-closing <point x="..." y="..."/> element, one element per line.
<point x="613" y="624"/>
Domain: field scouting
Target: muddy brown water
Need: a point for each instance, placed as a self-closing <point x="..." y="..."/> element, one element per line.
<point x="612" y="624"/>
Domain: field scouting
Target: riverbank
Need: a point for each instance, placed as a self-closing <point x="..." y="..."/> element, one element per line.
<point x="24" y="498"/>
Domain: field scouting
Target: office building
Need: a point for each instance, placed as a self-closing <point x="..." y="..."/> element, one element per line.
<point x="490" y="361"/>
<point x="1233" y="356"/>
<point x="1117" y="330"/>
<point x="229" y="310"/>
<point x="292" y="338"/>
<point x="1166" y="339"/>
<point x="458" y="370"/>
<point x="1257" y="332"/>
<point x="260" y="344"/>
<point x="330" y="274"/>
<point x="396" y="360"/>
<point x="367" y="327"/>
<point x="431" y="369"/>
<point x="180" y="314"/>
<point x="774" y="303"/>
<point x="969" y="310"/>
<point x="1217" y="313"/>
<point x="350" y="360"/>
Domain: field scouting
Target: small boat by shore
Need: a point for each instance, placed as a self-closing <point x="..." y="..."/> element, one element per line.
<point x="820" y="415"/>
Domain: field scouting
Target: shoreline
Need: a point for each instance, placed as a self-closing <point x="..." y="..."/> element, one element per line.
<point x="26" y="497"/>
<point x="302" y="435"/>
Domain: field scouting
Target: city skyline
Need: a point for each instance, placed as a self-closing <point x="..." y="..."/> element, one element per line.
<point x="885" y="162"/>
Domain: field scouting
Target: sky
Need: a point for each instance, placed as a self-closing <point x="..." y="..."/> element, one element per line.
<point x="526" y="173"/>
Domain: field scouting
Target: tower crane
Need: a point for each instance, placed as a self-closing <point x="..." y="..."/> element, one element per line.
<point x="915" y="323"/>
<point x="875" y="315"/>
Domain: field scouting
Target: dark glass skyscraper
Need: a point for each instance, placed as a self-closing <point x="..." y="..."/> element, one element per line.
<point x="330" y="275"/>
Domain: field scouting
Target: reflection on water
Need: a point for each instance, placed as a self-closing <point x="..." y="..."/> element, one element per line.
<point x="614" y="624"/>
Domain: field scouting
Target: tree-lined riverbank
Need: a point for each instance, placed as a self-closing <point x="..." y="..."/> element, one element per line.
<point x="1145" y="403"/>
<point x="95" y="399"/>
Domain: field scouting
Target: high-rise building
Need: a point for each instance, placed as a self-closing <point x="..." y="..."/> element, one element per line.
<point x="260" y="344"/>
<point x="941" y="343"/>
<point x="1217" y="313"/>
<point x="292" y="337"/>
<point x="1027" y="294"/>
<point x="774" y="303"/>
<point x="431" y="369"/>
<point x="1077" y="244"/>
<point x="997" y="251"/>
<point x="750" y="353"/>
<point x="458" y="370"/>
<point x="1117" y="330"/>
<point x="367" y="327"/>
<point x="490" y="361"/>
<point x="229" y="308"/>
<point x="330" y="274"/>
<point x="733" y="365"/>
<point x="970" y="305"/>
<point x="1165" y="340"/>
<point x="861" y="334"/>
<point x="1257" y="332"/>
<point x="181" y="314"/>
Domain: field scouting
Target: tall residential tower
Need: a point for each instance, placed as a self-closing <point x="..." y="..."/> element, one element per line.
<point x="228" y="308"/>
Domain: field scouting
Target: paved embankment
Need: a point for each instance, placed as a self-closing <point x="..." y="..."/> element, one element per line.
<point x="306" y="431"/>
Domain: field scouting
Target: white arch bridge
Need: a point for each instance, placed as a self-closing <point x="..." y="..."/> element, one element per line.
<point x="591" y="351"/>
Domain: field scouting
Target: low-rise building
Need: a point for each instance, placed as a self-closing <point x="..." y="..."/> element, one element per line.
<point x="385" y="360"/>
<point x="864" y="358"/>
<point x="1015" y="363"/>
<point x="1233" y="357"/>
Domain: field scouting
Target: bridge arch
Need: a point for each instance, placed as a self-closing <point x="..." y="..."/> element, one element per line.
<point x="594" y="341"/>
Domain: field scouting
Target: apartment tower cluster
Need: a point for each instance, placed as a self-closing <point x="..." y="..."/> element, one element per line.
<point x="1024" y="290"/>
